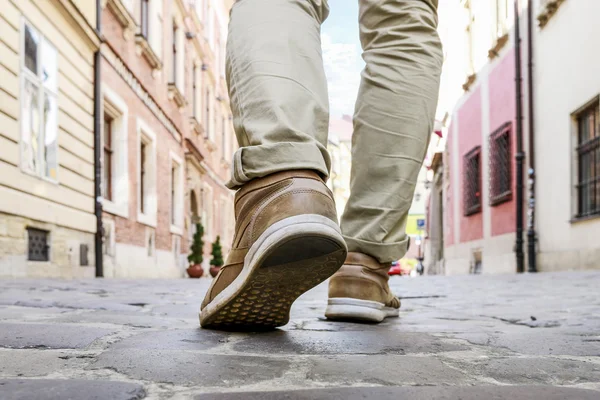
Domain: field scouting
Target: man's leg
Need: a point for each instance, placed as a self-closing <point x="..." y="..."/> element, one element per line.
<point x="287" y="238"/>
<point x="393" y="120"/>
<point x="277" y="87"/>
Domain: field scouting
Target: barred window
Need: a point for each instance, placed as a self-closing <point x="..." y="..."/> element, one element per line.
<point x="500" y="165"/>
<point x="37" y="245"/>
<point x="472" y="181"/>
<point x="588" y="161"/>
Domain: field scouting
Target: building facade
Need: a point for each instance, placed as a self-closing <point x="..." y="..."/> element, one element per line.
<point x="47" y="220"/>
<point x="561" y="176"/>
<point x="473" y="181"/>
<point x="567" y="142"/>
<point x="166" y="137"/>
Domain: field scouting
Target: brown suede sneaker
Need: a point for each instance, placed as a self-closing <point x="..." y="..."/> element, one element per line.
<point x="360" y="291"/>
<point x="287" y="240"/>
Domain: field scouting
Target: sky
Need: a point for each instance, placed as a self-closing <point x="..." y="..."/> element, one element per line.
<point x="342" y="56"/>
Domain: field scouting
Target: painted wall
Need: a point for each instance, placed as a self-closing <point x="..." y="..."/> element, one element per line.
<point x="469" y="136"/>
<point x="566" y="78"/>
<point x="501" y="110"/>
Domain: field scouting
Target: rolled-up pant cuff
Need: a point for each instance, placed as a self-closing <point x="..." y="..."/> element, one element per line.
<point x="258" y="161"/>
<point x="383" y="252"/>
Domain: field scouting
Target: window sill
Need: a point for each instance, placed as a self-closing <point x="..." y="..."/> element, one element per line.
<point x="472" y="211"/>
<point x="501" y="199"/>
<point x="576" y="219"/>
<point x="469" y="82"/>
<point x="212" y="146"/>
<point x="176" y="230"/>
<point x="123" y="16"/>
<point x="175" y="94"/>
<point x="548" y="12"/>
<point x="196" y="126"/>
<point x="44" y="178"/>
<point x="146" y="219"/>
<point x="143" y="48"/>
<point x="115" y="209"/>
<point x="500" y="43"/>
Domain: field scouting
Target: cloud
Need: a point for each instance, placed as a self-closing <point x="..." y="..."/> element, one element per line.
<point x="342" y="66"/>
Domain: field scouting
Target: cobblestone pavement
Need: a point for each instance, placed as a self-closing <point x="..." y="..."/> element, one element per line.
<point x="469" y="337"/>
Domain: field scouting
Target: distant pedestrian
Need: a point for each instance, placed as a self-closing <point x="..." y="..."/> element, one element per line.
<point x="287" y="238"/>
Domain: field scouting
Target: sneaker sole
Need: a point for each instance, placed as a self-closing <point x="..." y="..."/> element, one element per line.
<point x="288" y="259"/>
<point x="348" y="309"/>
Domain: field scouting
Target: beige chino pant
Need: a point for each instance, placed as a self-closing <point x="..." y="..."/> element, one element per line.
<point x="279" y="101"/>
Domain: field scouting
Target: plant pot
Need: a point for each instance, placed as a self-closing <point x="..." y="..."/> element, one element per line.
<point x="214" y="270"/>
<point x="195" y="271"/>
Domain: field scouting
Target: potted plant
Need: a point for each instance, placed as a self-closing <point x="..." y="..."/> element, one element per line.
<point x="195" y="258"/>
<point x="217" y="258"/>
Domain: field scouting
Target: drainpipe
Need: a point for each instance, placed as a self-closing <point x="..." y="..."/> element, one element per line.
<point x="531" y="235"/>
<point x="97" y="149"/>
<point x="520" y="156"/>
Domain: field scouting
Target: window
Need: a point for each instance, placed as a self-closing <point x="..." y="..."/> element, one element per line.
<point x="107" y="178"/>
<point x="472" y="181"/>
<point x="502" y="11"/>
<point x="38" y="248"/>
<point x="223" y="138"/>
<point x="115" y="156"/>
<point x="39" y="107"/>
<point x="176" y="244"/>
<point x="500" y="165"/>
<point x="147" y="209"/>
<point x="145" y="18"/>
<point x="588" y="161"/>
<point x="150" y="242"/>
<point x="143" y="176"/>
<point x="176" y="194"/>
<point x="207" y="114"/>
<point x="174" y="56"/>
<point x="195" y="95"/>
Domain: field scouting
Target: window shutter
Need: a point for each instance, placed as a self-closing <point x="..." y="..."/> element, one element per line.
<point x="156" y="26"/>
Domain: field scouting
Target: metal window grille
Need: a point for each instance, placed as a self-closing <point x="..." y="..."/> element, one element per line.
<point x="588" y="161"/>
<point x="500" y="165"/>
<point x="472" y="181"/>
<point x="37" y="245"/>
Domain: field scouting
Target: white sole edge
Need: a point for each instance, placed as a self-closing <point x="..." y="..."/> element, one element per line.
<point x="362" y="310"/>
<point x="299" y="225"/>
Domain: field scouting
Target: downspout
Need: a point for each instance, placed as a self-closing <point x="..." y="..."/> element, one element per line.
<point x="531" y="235"/>
<point x="97" y="148"/>
<point x="520" y="156"/>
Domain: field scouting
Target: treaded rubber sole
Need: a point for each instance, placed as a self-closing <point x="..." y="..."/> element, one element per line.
<point x="349" y="309"/>
<point x="275" y="275"/>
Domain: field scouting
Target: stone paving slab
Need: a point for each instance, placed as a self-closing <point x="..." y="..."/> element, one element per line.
<point x="48" y="336"/>
<point x="416" y="393"/>
<point x="51" y="389"/>
<point x="469" y="336"/>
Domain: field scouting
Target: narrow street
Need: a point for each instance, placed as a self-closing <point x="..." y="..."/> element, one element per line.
<point x="493" y="337"/>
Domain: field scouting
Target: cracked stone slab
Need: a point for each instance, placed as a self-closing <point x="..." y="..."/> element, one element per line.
<point x="189" y="368"/>
<point x="384" y="370"/>
<point x="174" y="339"/>
<point x="535" y="342"/>
<point x="49" y="336"/>
<point x="416" y="393"/>
<point x="51" y="389"/>
<point x="344" y="342"/>
<point x="30" y="363"/>
<point x="538" y="370"/>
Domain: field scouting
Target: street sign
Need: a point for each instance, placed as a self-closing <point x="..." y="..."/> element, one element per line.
<point x="421" y="223"/>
